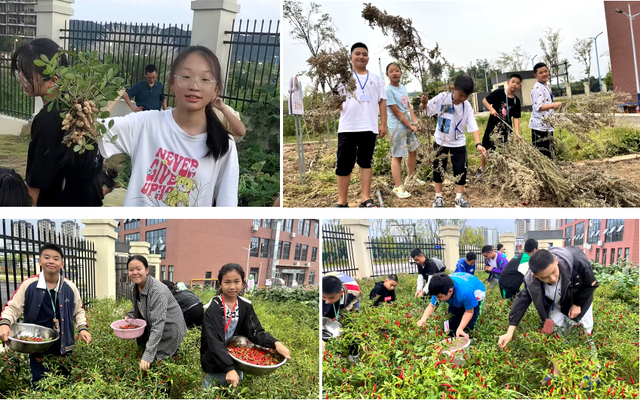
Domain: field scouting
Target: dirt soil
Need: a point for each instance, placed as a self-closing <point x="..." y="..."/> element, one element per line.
<point x="320" y="188"/>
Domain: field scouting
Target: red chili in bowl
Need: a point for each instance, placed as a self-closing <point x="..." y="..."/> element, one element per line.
<point x="254" y="356"/>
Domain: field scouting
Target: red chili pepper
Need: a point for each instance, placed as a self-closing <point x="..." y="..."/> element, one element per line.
<point x="551" y="392"/>
<point x="465" y="373"/>
<point x="445" y="384"/>
<point x="632" y="381"/>
<point x="606" y="366"/>
<point x="450" y="396"/>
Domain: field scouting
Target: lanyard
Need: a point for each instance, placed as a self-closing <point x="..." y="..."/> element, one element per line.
<point x="336" y="312"/>
<point x="554" y="296"/>
<point x="54" y="301"/>
<point x="515" y="99"/>
<point x="365" y="82"/>
<point x="453" y="117"/>
<point x="226" y="326"/>
<point x="546" y="87"/>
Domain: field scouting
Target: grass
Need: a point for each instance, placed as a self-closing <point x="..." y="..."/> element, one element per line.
<point x="13" y="153"/>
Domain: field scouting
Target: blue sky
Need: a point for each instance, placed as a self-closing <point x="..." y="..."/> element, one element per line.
<point x="465" y="30"/>
<point x="163" y="11"/>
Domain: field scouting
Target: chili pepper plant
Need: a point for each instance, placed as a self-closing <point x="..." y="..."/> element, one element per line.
<point x="109" y="367"/>
<point x="402" y="360"/>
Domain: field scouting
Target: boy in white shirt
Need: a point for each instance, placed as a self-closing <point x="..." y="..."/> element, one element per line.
<point x="455" y="116"/>
<point x="358" y="129"/>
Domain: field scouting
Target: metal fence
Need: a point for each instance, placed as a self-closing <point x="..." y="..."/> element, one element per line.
<point x="393" y="255"/>
<point x="480" y="263"/>
<point x="254" y="61"/>
<point x="20" y="250"/>
<point x="13" y="101"/>
<point x="337" y="250"/>
<point x="123" y="284"/>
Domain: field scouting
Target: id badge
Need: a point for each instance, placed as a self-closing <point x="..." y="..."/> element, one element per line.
<point x="446" y="326"/>
<point x="364" y="98"/>
<point x="548" y="326"/>
<point x="388" y="298"/>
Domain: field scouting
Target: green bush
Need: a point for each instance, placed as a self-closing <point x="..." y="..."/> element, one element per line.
<point x="109" y="367"/>
<point x="303" y="295"/>
<point x="288" y="126"/>
<point x="259" y="183"/>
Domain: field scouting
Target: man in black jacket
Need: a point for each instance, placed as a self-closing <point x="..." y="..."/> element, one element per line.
<point x="513" y="274"/>
<point x="384" y="291"/>
<point x="427" y="267"/>
<point x="560" y="282"/>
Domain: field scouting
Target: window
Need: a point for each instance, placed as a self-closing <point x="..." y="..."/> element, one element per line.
<point x="171" y="273"/>
<point x="316" y="231"/>
<point x="155" y="221"/>
<point x="604" y="256"/>
<point x="614" y="231"/>
<point x="300" y="225"/>
<point x="296" y="255"/>
<point x="619" y="254"/>
<point x="285" y="250"/>
<point x="300" y="278"/>
<point x="163" y="271"/>
<point x="289" y="227"/>
<point x="613" y="255"/>
<point x="132" y="237"/>
<point x="266" y="223"/>
<point x="597" y="255"/>
<point x="305" y="250"/>
<point x="566" y="221"/>
<point x="264" y="253"/>
<point x="118" y="227"/>
<point x="256" y="222"/>
<point x="579" y="235"/>
<point x="626" y="254"/>
<point x="282" y="226"/>
<point x="152" y="237"/>
<point x="314" y="253"/>
<point x="312" y="277"/>
<point x="255" y="246"/>
<point x="280" y="250"/>
<point x="594" y="231"/>
<point x="568" y="235"/>
<point x="207" y="275"/>
<point x="307" y="227"/>
<point x="131" y="224"/>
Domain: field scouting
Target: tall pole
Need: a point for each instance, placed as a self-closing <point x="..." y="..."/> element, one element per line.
<point x="486" y="81"/>
<point x="595" y="41"/>
<point x="533" y="58"/>
<point x="635" y="61"/>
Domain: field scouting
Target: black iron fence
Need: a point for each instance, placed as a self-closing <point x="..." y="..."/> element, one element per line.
<point x="337" y="250"/>
<point x="123" y="284"/>
<point x="20" y="250"/>
<point x="254" y="61"/>
<point x="480" y="263"/>
<point x="13" y="101"/>
<point x="393" y="255"/>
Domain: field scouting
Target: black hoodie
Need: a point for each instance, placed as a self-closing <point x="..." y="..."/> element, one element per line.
<point x="214" y="356"/>
<point x="384" y="295"/>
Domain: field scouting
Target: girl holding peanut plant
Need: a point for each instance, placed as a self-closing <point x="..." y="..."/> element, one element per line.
<point x="56" y="174"/>
<point x="181" y="157"/>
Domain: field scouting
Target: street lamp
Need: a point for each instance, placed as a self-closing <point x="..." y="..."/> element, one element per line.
<point x="248" y="254"/>
<point x="595" y="40"/>
<point x="635" y="62"/>
<point x="533" y="58"/>
<point x="155" y="245"/>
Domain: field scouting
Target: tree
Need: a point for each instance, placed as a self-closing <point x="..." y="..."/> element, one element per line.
<point x="472" y="237"/>
<point x="516" y="60"/>
<point x="582" y="50"/>
<point x="549" y="44"/>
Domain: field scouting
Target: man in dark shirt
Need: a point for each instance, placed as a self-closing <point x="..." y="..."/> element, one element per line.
<point x="503" y="104"/>
<point x="427" y="267"/>
<point x="148" y="94"/>
<point x="384" y="291"/>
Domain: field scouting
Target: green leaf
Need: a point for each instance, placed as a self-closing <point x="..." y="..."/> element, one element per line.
<point x="69" y="75"/>
<point x="76" y="148"/>
<point x="114" y="138"/>
<point x="39" y="63"/>
<point x="50" y="106"/>
<point x="44" y="58"/>
<point x="89" y="147"/>
<point x="111" y="124"/>
<point x="104" y="114"/>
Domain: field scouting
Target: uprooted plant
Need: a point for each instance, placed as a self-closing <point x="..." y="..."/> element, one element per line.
<point x="81" y="90"/>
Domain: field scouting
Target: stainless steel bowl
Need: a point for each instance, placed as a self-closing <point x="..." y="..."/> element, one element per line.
<point x="33" y="330"/>
<point x="241" y="341"/>
<point x="331" y="329"/>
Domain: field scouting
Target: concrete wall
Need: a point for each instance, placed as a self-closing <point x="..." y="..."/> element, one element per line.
<point x="10" y="125"/>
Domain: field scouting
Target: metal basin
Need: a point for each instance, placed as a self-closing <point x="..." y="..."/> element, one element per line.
<point x="330" y="329"/>
<point x="33" y="330"/>
<point x="252" y="369"/>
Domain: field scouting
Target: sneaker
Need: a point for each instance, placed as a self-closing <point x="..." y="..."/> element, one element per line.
<point x="479" y="173"/>
<point x="401" y="193"/>
<point x="462" y="203"/>
<point x="438" y="202"/>
<point x="419" y="182"/>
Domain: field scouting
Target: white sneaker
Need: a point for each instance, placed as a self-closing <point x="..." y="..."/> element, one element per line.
<point x="401" y="193"/>
<point x="462" y="203"/>
<point x="419" y="182"/>
<point x="438" y="202"/>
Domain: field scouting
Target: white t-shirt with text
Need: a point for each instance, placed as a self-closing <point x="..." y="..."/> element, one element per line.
<point x="363" y="116"/>
<point x="169" y="168"/>
<point x="450" y="116"/>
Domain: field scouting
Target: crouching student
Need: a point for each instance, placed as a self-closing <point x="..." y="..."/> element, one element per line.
<point x="513" y="273"/>
<point x="464" y="293"/>
<point x="455" y="116"/>
<point x="384" y="291"/>
<point x="230" y="315"/>
<point x="427" y="267"/>
<point x="339" y="292"/>
<point x="47" y="299"/>
<point x="467" y="264"/>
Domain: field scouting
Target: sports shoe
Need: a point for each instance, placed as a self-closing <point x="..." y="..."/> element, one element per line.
<point x="462" y="203"/>
<point x="479" y="173"/>
<point x="401" y="193"/>
<point x="438" y="202"/>
<point x="419" y="182"/>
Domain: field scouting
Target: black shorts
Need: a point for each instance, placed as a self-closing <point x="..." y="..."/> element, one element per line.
<point x="458" y="163"/>
<point x="352" y="145"/>
<point x="488" y="144"/>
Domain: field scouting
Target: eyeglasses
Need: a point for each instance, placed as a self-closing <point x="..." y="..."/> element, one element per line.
<point x="186" y="82"/>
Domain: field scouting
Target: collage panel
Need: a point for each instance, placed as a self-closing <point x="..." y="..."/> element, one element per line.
<point x="480" y="308"/>
<point x="399" y="107"/>
<point x="140" y="104"/>
<point x="159" y="308"/>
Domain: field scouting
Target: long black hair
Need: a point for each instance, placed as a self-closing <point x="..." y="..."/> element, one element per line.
<point x="13" y="190"/>
<point x="217" y="135"/>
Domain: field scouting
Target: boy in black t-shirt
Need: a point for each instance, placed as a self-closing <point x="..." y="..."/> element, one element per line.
<point x="503" y="104"/>
<point x="384" y="291"/>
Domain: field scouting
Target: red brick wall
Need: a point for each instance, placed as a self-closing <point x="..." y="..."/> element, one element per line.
<point x="194" y="247"/>
<point x="620" y="50"/>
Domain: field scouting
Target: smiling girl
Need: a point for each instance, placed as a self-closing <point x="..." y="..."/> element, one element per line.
<point x="153" y="302"/>
<point x="228" y="315"/>
<point x="181" y="157"/>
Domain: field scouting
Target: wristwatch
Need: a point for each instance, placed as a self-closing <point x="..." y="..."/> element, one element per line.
<point x="478" y="144"/>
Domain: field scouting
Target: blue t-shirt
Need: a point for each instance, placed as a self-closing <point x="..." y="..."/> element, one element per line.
<point x="467" y="291"/>
<point x="150" y="98"/>
<point x="397" y="96"/>
<point x="462" y="266"/>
